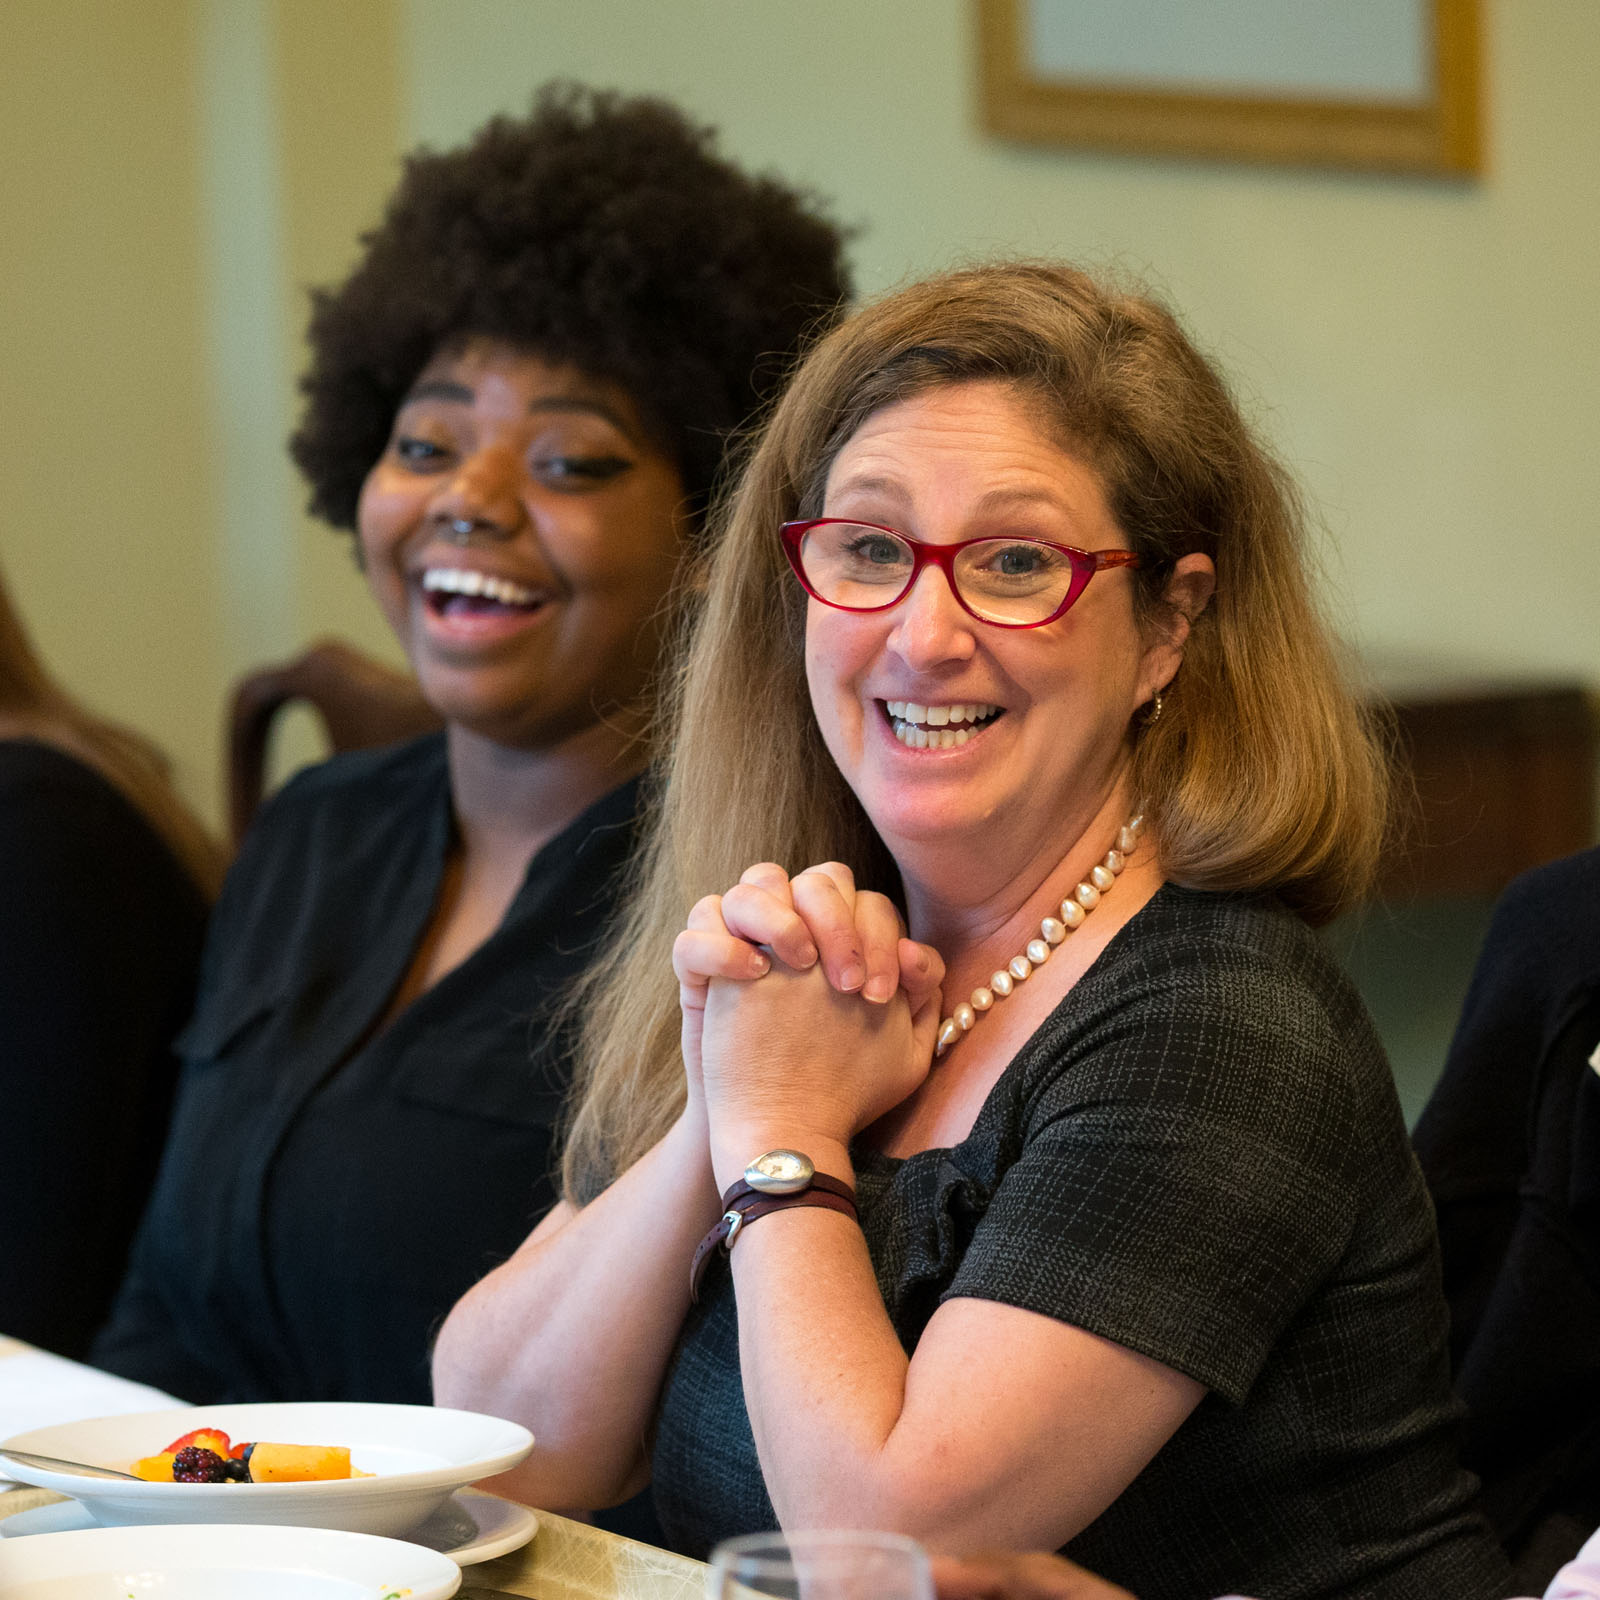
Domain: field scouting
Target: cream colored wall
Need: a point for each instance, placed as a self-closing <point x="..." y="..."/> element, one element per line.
<point x="178" y="171"/>
<point x="107" y="511"/>
<point x="302" y="142"/>
<point x="338" y="73"/>
<point x="1425" y="353"/>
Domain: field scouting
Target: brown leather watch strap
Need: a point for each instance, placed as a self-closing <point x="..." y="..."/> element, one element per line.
<point x="750" y="1206"/>
<point x="819" y="1180"/>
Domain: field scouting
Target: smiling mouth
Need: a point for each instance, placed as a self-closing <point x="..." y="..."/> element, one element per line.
<point x="463" y="592"/>
<point x="938" y="727"/>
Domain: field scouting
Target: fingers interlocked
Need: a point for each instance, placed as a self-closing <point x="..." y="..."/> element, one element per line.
<point x="818" y="915"/>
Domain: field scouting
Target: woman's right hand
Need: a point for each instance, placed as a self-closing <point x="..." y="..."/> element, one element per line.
<point x="819" y="915"/>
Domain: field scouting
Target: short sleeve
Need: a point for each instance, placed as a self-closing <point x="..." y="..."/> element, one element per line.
<point x="1184" y="1181"/>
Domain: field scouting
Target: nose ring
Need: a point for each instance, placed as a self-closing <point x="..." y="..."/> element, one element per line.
<point x="458" y="530"/>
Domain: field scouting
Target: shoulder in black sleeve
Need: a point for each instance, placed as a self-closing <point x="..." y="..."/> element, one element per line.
<point x="100" y="930"/>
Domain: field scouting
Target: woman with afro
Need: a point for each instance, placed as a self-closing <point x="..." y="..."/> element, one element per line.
<point x="520" y="402"/>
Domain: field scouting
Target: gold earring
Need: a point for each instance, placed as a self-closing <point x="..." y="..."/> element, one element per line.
<point x="1157" y="705"/>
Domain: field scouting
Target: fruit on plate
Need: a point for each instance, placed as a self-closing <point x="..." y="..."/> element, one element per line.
<point x="208" y="1455"/>
<point x="297" y="1463"/>
<point x="213" y="1439"/>
<point x="155" y="1469"/>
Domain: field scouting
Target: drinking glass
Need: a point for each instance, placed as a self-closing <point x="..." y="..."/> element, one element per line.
<point x="831" y="1565"/>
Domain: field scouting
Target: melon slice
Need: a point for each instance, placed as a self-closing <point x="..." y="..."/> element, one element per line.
<point x="298" y="1463"/>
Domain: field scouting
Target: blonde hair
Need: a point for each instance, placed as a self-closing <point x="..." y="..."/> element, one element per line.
<point x="32" y="704"/>
<point x="1262" y="773"/>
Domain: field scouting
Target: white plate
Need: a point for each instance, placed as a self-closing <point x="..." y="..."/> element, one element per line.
<point x="420" y="1454"/>
<point x="472" y="1526"/>
<point x="469" y="1527"/>
<point x="202" y="1563"/>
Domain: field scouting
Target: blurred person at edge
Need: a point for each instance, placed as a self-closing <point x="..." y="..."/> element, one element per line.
<point x="1140" y="1263"/>
<point x="105" y="882"/>
<point x="520" y="400"/>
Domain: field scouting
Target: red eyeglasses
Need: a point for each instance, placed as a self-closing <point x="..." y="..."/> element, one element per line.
<point x="1010" y="583"/>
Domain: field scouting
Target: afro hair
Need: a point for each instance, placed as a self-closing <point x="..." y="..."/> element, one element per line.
<point x="600" y="231"/>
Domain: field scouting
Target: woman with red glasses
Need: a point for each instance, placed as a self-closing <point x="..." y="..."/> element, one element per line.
<point x="1083" y="1216"/>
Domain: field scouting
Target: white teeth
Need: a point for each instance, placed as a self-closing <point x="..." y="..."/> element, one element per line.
<point x="464" y="580"/>
<point x="922" y="727"/>
<point x="938" y="716"/>
<point x="919" y="738"/>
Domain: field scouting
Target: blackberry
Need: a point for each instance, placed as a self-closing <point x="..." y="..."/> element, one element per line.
<point x="197" y="1465"/>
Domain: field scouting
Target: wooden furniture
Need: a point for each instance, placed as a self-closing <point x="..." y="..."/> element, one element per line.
<point x="361" y="701"/>
<point x="1496" y="776"/>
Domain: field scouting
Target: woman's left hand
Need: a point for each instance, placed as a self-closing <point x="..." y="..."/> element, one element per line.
<point x="791" y="1060"/>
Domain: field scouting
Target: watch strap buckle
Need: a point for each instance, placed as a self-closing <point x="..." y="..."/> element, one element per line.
<point x="744" y="1208"/>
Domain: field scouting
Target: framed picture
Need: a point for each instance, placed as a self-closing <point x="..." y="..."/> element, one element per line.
<point x="1382" y="85"/>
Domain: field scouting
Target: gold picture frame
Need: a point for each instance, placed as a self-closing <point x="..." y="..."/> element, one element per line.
<point x="1439" y="134"/>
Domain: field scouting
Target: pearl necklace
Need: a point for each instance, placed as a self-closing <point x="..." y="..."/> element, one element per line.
<point x="1052" y="931"/>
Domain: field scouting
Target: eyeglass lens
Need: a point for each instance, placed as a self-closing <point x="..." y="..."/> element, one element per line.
<point x="1002" y="580"/>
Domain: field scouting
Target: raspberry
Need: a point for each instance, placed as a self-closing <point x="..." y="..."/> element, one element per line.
<point x="197" y="1465"/>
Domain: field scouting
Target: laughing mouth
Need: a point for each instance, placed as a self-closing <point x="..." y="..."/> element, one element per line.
<point x="938" y="727"/>
<point x="463" y="592"/>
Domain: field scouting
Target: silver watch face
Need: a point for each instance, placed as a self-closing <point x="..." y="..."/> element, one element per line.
<point x="780" y="1172"/>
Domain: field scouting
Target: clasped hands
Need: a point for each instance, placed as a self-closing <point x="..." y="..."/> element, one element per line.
<point x="839" y="1030"/>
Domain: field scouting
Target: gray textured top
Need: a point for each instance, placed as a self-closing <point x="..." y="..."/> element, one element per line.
<point x="1200" y="1156"/>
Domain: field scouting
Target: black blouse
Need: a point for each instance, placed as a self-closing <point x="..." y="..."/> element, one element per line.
<point x="1199" y="1156"/>
<point x="100" y="933"/>
<point x="331" y="1187"/>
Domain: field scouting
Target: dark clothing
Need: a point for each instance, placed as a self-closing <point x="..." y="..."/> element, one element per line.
<point x="1510" y="1143"/>
<point x="100" y="934"/>
<point x="332" y="1184"/>
<point x="1199" y="1156"/>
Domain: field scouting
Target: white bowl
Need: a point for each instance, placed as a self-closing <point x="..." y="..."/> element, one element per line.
<point x="203" y="1563"/>
<point x="420" y="1455"/>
